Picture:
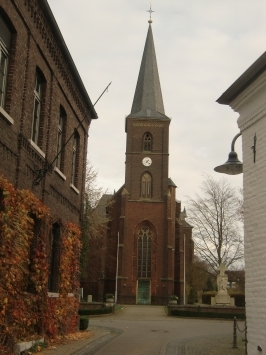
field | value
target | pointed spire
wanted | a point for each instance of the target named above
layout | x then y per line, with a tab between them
148	100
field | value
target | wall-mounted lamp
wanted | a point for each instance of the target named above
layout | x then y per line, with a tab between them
124	285
233	166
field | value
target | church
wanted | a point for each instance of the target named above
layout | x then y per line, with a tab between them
147	245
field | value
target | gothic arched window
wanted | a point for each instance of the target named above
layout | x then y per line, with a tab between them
144	252
146	185
147	142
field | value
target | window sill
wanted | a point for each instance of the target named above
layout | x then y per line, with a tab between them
74	188
56	294
34	145
59	172
6	116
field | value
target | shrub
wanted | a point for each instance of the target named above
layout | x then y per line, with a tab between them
109	295
173	298
83	323
239	299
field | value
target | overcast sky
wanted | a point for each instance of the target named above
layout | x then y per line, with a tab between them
202	47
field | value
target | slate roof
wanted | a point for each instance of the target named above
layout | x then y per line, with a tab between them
171	183
148	100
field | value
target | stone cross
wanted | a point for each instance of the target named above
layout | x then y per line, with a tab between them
222	269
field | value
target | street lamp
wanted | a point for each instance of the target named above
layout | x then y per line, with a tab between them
116	272
233	166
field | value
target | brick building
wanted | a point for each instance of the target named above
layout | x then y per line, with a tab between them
143	249
43	103
247	97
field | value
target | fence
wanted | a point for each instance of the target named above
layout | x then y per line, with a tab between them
244	330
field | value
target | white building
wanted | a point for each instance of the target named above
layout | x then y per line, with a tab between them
247	96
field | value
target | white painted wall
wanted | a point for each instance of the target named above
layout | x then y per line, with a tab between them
251	106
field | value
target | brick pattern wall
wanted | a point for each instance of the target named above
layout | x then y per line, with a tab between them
159	129
130	212
35	47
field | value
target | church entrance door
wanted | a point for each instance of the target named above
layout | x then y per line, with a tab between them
143	292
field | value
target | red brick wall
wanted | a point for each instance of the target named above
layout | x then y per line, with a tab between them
34	46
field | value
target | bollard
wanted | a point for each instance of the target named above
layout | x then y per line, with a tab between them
235	335
246	339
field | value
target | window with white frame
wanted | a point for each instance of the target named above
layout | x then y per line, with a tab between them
5	41
75	152
60	139
38	93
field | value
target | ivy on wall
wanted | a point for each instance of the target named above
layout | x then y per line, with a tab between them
25	308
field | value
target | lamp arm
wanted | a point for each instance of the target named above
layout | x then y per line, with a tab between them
234	140
40	173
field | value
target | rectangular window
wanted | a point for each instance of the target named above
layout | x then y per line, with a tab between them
75	159
60	139
37	109
5	40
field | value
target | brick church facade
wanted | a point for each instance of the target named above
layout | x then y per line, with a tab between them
141	257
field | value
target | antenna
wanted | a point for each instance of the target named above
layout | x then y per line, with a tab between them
40	173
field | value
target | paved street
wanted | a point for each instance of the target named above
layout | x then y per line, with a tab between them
146	330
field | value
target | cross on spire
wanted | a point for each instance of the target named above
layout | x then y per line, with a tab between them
150	11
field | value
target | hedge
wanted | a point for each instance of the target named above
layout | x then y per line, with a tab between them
183	313
95	311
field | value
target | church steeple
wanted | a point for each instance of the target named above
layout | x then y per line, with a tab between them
148	100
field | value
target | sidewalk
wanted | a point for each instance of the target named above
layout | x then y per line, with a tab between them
99	336
211	345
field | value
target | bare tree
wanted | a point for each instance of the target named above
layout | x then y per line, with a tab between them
217	231
241	206
95	218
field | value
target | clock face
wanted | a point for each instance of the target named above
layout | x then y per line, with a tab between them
146	161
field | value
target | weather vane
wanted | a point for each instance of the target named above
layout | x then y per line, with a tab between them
150	11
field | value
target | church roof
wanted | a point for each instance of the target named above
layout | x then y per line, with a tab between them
171	183
148	100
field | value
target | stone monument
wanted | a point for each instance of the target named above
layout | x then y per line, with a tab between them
222	297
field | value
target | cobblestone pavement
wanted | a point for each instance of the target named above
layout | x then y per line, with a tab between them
146	330
211	345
